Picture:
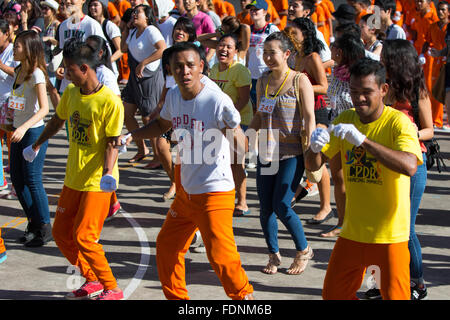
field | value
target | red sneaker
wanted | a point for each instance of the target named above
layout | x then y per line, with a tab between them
86	291
110	295
113	210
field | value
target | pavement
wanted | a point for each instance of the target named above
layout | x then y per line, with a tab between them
129	240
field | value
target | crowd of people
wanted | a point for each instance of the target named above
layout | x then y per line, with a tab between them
333	94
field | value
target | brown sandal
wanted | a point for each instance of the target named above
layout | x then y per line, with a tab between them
274	262
301	261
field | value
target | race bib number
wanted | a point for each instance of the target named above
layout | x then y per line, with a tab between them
16	103
267	105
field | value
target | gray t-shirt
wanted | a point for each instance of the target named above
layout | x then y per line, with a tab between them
395	32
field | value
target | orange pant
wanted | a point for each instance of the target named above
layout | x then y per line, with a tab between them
2	243
437	108
212	213
78	223
349	261
124	70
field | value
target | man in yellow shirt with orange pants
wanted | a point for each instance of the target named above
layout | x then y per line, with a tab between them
95	117
379	151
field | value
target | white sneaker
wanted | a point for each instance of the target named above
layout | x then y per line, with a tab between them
197	244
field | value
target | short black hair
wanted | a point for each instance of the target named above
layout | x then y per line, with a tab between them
181	47
188	26
365	67
386	5
351	28
80	53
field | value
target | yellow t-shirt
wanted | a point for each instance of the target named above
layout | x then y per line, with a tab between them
236	76
91	119
377	208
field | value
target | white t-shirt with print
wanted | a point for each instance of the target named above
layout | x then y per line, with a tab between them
7	81
256	64
143	46
108	78
81	30
208	167
28	91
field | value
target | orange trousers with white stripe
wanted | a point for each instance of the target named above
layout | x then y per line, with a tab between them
78	223
212	214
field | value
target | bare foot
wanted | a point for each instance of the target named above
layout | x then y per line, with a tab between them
333	232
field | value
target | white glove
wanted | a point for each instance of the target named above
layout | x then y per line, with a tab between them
319	138
332	39
349	132
108	183
29	154
422	59
123	147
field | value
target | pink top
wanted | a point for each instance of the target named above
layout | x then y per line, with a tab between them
406	108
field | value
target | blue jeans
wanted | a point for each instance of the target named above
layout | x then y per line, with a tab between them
27	178
275	194
418	182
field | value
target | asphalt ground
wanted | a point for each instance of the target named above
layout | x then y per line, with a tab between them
129	240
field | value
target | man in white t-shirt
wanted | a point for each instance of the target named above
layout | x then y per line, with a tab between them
79	26
204	182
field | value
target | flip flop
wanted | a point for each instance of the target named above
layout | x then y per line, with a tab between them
138	158
315	221
153	166
240	212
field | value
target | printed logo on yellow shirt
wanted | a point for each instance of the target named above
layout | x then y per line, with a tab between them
80	129
362	167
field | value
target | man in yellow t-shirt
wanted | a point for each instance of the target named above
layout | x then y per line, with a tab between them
379	151
95	117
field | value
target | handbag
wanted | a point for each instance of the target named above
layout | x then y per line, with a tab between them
438	90
433	153
313	176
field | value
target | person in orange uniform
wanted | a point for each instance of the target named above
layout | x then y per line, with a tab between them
113	13
229	8
244	15
329	23
219	8
436	39
2	249
282	7
420	25
323	25
122	65
274	17
361	8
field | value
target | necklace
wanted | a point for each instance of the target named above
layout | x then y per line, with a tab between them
281	87
97	88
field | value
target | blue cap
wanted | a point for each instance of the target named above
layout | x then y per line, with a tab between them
258	4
